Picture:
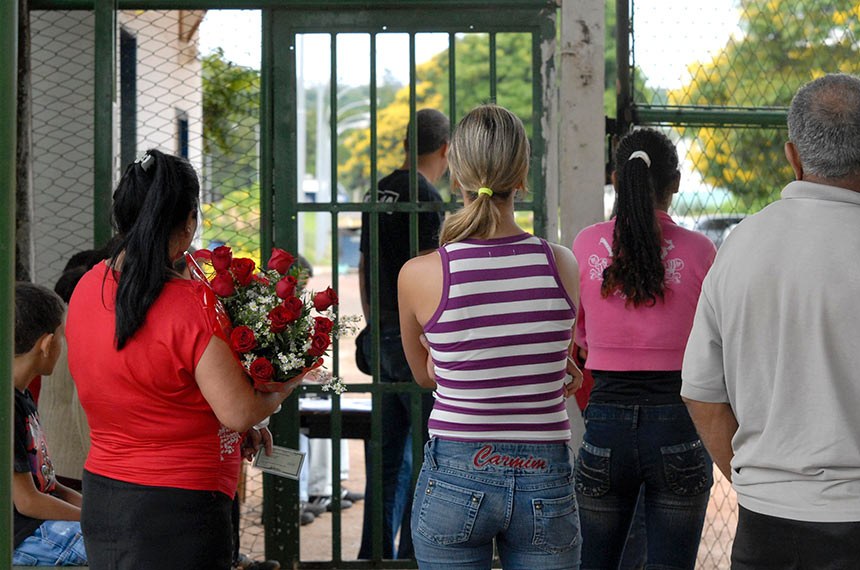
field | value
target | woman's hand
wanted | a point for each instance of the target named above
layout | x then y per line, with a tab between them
255	439
576	378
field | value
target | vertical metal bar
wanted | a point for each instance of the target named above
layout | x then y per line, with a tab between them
8	145
281	505
266	156
452	84
540	73
415	398
413	148
373	448
493	67
105	82
336	423
623	109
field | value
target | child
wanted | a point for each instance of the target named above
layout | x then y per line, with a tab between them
47	514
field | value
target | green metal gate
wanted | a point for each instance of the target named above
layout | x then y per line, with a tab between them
535	20
112	78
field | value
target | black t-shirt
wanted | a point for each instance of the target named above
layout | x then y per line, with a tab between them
31	456
394	237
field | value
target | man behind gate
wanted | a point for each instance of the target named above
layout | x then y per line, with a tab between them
432	150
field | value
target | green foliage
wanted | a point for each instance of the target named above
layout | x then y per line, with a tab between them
784	45
472	62
235	221
231	116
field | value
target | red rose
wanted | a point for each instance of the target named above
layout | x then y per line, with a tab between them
243	270
295	307
221	258
280	317
262	370
242	339
325	299
280	260
286	287
223	285
320	341
323	324
260	278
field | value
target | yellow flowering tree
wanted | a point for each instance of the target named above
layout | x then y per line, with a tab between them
783	45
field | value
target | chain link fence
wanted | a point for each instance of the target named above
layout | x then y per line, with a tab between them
718	78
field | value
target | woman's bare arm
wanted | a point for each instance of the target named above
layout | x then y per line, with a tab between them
419	291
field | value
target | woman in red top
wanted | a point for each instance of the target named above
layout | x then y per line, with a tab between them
165	398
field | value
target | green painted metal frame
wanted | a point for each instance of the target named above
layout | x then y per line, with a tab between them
105	95
279	207
537	18
8	146
348	5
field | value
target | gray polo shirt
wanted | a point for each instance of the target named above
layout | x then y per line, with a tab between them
777	336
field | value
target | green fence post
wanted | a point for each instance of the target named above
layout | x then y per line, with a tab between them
8	138
103	150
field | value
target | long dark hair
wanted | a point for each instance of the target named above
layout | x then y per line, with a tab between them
154	197
637	269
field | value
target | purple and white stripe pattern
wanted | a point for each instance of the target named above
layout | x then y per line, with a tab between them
499	342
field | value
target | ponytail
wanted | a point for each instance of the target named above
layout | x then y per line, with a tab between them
154	197
479	218
489	149
647	167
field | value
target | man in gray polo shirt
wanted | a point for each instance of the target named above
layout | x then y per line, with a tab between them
771	373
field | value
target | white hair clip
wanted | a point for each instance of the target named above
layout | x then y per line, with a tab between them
145	161
641	154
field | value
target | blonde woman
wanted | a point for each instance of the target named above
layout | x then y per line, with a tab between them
486	321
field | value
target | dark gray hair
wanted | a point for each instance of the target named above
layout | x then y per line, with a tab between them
824	125
38	311
434	130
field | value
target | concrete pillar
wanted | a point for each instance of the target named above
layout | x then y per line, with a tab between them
581	119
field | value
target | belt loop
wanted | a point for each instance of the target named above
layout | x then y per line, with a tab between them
636	409
430	453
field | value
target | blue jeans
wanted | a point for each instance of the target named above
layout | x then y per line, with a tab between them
397	434
624	448
520	495
55	543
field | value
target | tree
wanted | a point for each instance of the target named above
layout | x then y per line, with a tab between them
784	45
231	116
514	84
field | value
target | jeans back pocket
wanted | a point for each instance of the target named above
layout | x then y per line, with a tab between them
448	512
592	470
556	524
687	468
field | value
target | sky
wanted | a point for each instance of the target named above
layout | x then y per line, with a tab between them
669	35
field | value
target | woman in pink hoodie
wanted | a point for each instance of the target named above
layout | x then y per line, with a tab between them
640	278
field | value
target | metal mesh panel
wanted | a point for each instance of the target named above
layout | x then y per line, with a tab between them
717	78
62	109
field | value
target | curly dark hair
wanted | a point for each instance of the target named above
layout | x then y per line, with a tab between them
636	269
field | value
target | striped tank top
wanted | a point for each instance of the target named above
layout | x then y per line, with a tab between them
499	342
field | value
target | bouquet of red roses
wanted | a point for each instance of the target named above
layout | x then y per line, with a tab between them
277	328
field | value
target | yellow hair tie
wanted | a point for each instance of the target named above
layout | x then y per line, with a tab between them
486	191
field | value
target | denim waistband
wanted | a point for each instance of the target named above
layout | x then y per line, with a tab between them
498	457
632	412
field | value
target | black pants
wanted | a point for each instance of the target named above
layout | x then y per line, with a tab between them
765	542
129	527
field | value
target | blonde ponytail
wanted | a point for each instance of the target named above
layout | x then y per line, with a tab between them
489	149
478	219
